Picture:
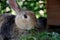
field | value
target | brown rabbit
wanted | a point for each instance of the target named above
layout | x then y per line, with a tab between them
15	26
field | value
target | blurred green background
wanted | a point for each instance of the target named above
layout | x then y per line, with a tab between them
37	6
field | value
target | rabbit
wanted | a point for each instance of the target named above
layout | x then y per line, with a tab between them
14	26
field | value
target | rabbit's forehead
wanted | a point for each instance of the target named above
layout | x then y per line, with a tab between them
22	12
27	13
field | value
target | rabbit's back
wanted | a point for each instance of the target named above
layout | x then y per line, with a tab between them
6	22
5	18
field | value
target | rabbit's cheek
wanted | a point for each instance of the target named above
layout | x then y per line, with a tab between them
23	23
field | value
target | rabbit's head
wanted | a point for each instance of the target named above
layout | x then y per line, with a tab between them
24	19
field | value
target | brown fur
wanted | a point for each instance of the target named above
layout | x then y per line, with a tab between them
13	27
15	31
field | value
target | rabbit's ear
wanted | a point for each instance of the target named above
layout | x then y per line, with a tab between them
14	5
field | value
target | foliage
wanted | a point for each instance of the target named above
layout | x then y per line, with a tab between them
42	36
3	6
33	5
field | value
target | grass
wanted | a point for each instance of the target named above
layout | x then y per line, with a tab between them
42	36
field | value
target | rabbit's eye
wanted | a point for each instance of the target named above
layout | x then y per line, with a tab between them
25	16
